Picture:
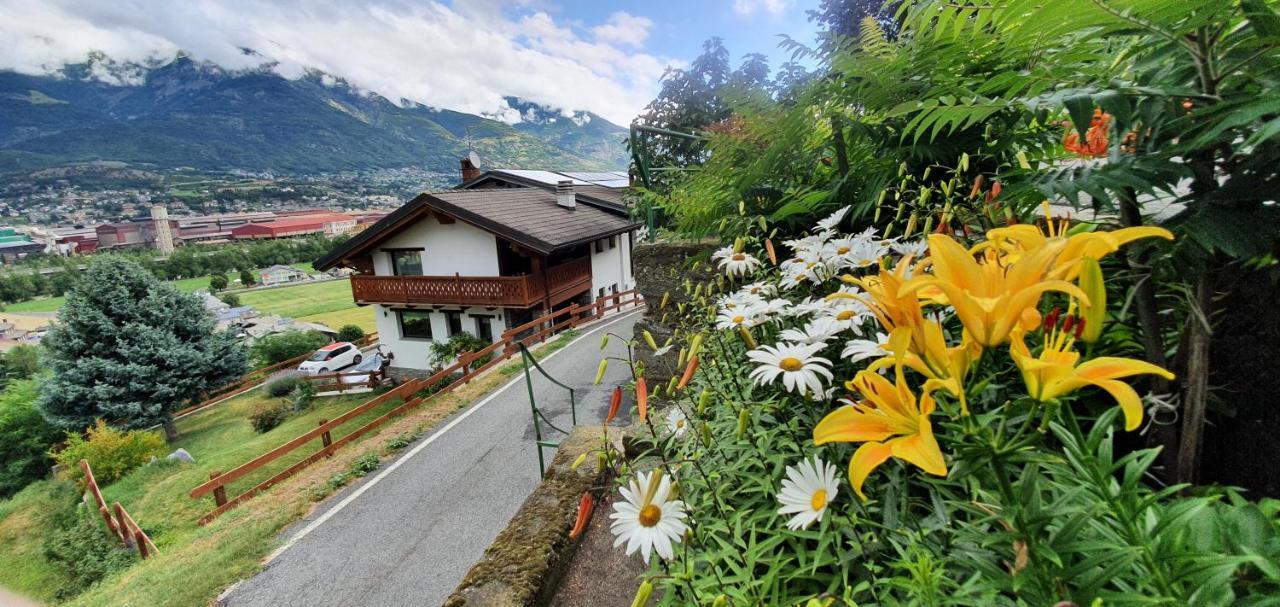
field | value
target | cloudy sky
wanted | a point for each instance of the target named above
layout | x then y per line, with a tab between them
606	57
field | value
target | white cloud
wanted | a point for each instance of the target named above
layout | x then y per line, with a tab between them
750	7
464	59
624	28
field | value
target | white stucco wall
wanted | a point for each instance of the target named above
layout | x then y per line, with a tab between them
447	248
612	266
414	353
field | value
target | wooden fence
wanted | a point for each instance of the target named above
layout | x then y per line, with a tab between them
121	526
255	377
413	392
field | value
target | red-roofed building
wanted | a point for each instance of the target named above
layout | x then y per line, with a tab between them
321	223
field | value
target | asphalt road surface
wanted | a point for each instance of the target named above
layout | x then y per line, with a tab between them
409	533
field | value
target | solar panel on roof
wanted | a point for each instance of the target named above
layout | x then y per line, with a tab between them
546	177
608	179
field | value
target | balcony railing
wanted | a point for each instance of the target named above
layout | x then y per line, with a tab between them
562	282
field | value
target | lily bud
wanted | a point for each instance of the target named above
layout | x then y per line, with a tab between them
604	364
704	399
744	419
604	341
577	463
1095	312
747	338
648	338
642	594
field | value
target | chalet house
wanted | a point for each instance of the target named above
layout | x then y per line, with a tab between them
278	275
483	260
602	188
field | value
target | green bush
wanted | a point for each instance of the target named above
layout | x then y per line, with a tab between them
302	395
111	452
218	282
247	279
364	464
350	333
282	386
281	347
445	352
266	416
82	549
25	438
22	362
231	299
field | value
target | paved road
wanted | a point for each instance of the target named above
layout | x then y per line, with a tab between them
408	534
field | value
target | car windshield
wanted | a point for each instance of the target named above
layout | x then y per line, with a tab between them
321	355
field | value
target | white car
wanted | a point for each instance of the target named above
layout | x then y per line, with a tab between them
331	358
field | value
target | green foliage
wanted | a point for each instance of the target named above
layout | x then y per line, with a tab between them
280	347
231	299
400	441
302	395
350	333
444	352
22	362
111	452
364	464
130	349
218	282
282	386
25	438
81	548
247	278
267	415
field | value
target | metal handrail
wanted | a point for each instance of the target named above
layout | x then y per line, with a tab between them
529	361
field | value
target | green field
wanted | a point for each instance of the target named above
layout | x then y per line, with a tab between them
302	300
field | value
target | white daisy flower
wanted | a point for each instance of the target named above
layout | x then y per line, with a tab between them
817	331
861	349
856	252
796	364
677	422
807	490
748	316
644	520
759	289
808	243
774	307
848	314
829	224
915	249
738	264
738	301
807	306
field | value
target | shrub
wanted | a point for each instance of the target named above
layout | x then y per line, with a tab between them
25	438
400	441
444	351
81	548
247	279
266	416
112	453
302	395
350	333
22	362
281	347
364	464
218	282
282	386
231	299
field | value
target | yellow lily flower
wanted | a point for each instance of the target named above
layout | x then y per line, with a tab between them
990	297
1054	372
889	422
1015	241
929	355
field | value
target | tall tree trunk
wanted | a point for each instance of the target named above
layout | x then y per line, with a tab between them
170	428
1196	391
1152	335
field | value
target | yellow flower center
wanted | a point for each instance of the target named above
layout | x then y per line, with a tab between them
819	499
844	315
650	515
738	257
679	423
791	363
842	250
737	320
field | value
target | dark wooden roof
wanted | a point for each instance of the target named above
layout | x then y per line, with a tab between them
528	216
598	194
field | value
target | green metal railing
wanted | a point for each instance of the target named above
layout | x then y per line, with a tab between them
538	417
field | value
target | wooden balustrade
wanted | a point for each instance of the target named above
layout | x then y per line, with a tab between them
561	282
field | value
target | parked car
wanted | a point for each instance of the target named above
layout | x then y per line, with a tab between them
331	358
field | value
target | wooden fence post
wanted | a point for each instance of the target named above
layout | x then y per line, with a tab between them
325	439
220	493
123	523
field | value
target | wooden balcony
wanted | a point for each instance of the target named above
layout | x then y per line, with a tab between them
562	282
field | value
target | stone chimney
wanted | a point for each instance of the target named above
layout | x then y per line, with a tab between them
469	170
565	196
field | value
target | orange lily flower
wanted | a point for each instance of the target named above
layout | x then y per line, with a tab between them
990	296
1057	371
1015	241
889	422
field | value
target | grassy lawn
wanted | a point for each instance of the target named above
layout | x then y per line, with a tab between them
302	300
196	562
359	316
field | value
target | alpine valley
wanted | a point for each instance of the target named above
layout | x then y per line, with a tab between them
188	114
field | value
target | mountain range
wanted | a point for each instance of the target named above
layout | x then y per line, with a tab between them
185	113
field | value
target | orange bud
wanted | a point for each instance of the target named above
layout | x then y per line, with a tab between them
768	247
614	402
977	188
642	399
688	372
585	506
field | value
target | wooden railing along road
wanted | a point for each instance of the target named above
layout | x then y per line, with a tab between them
561	282
413	393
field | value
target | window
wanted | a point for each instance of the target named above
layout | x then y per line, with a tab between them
455	322
600	246
415	324
406	262
484	327
613	288
600	293
613	241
